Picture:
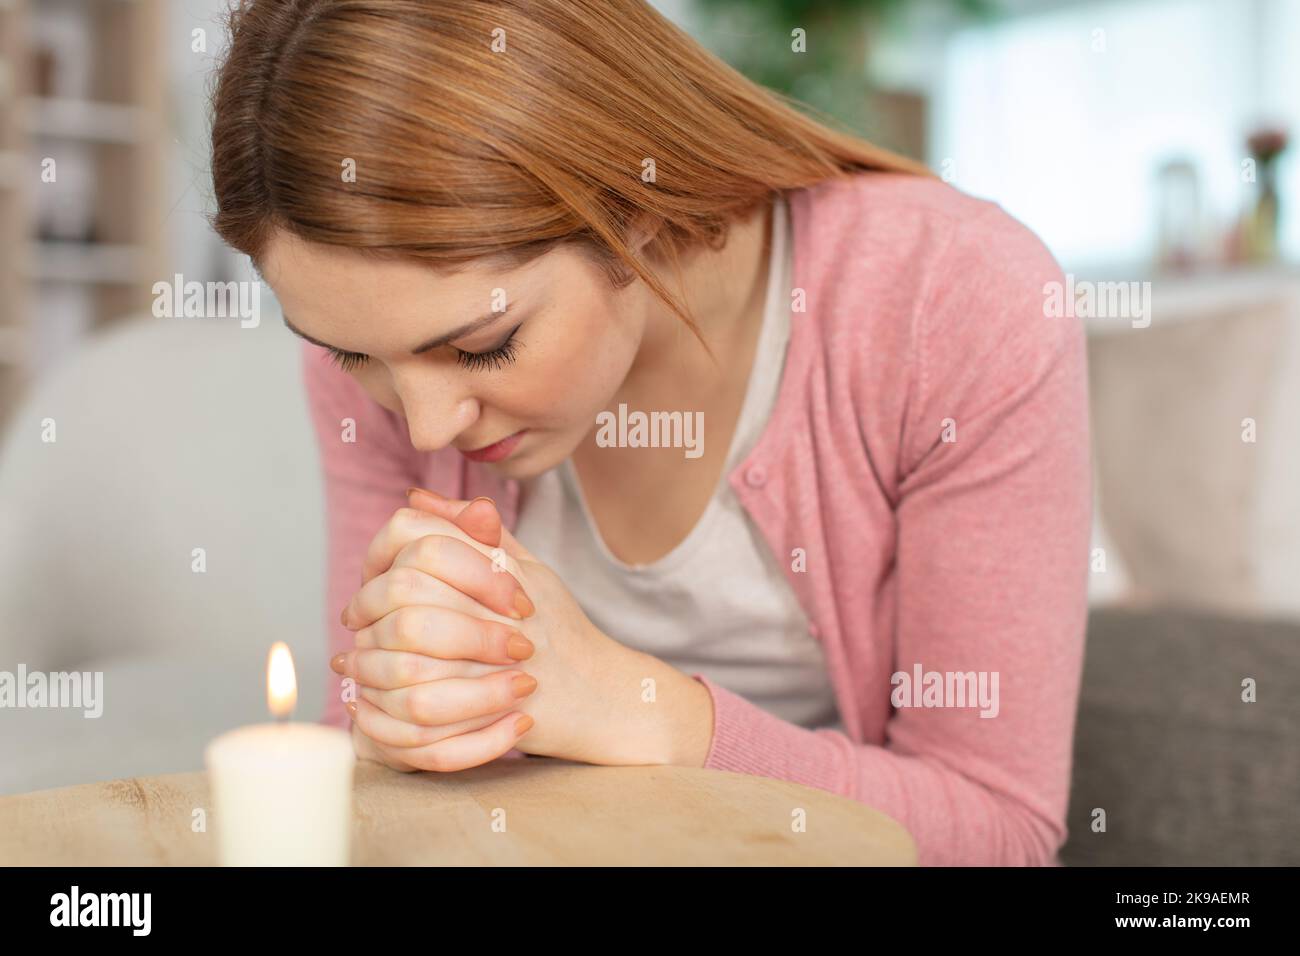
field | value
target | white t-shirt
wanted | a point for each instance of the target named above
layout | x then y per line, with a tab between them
718	604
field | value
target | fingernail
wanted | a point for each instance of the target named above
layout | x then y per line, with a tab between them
523	606
343	616
483	498
423	491
336	663
518	647
523	684
523	725
352	708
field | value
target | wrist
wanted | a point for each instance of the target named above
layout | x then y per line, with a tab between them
646	712
680	729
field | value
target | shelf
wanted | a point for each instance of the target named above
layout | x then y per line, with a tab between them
104	109
82	119
84	262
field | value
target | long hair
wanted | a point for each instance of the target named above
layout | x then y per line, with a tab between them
453	130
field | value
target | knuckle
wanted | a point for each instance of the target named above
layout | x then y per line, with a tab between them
408	625
407	670
437	762
395	587
405	518
442	761
431	549
423	707
401	585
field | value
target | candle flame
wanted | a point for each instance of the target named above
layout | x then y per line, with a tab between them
281	683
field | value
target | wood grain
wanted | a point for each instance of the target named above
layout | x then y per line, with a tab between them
556	813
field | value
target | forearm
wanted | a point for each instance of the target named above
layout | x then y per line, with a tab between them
954	818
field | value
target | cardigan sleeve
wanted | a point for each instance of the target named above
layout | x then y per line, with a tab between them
367	463
993	513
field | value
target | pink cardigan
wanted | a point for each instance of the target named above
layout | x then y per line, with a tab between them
924	322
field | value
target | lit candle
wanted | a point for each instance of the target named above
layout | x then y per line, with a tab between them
282	792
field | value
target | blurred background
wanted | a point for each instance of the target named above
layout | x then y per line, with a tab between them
160	505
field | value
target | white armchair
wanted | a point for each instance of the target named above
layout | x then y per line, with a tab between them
171	435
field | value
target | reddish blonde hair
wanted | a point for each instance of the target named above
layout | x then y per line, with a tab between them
465	150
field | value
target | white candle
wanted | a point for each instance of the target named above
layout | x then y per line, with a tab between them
282	792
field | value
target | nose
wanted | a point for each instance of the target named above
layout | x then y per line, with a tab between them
435	411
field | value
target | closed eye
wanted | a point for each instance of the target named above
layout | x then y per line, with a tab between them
347	360
496	358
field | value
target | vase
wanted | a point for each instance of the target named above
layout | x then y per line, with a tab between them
1261	224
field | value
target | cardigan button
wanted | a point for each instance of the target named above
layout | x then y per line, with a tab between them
756	477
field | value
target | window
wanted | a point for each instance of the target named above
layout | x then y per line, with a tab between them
1064	117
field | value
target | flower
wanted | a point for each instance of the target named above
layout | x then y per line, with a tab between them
1266	143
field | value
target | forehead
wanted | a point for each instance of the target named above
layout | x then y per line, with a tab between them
337	294
286	258
345	296
299	265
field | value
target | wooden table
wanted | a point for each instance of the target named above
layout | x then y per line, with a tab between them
556	813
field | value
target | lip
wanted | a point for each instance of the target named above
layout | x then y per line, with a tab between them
497	450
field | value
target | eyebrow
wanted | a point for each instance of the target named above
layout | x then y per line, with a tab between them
473	325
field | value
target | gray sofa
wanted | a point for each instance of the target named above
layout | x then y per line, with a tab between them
1187	773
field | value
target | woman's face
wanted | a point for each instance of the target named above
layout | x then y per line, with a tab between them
509	367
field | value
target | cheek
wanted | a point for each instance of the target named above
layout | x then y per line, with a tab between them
570	377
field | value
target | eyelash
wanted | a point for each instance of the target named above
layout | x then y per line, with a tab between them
347	360
501	356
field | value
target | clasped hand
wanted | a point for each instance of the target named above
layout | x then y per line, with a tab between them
467	647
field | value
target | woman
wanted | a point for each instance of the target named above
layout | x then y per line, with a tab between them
787	471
